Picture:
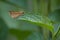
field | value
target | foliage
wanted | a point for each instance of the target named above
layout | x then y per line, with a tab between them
40	20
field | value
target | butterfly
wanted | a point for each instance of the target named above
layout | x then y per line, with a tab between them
15	14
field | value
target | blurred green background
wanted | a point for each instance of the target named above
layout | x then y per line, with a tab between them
40	21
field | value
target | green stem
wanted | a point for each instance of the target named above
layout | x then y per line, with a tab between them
44	12
35	6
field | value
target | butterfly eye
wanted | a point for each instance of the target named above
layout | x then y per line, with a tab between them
14	14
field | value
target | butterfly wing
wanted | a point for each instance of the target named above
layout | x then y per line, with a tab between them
14	14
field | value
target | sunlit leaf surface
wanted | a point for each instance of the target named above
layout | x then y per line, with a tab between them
37	19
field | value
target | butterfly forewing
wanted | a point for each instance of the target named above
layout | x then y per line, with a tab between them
15	14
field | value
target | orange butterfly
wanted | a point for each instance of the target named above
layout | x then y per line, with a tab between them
15	14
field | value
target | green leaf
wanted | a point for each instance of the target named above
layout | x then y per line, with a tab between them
18	3
5	14
58	35
55	16
56	29
35	36
12	23
3	29
24	25
21	35
37	19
